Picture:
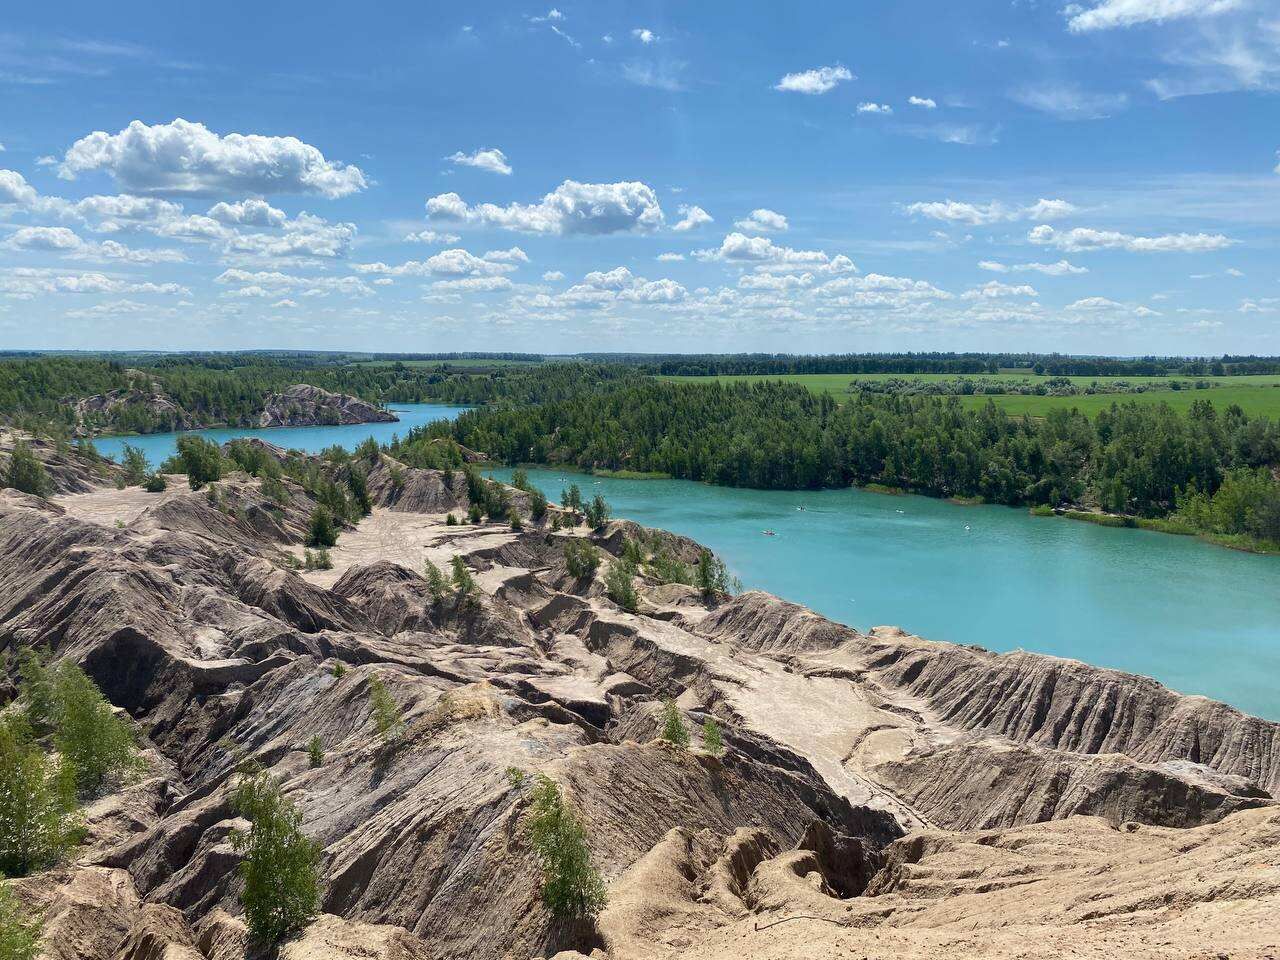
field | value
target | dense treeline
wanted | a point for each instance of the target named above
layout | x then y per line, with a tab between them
761	364
229	389
1131	459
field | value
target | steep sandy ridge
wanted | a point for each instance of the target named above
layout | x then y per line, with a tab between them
190	617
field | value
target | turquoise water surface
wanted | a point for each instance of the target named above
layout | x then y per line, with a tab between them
1199	618
161	446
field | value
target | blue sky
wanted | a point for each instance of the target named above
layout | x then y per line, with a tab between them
1099	177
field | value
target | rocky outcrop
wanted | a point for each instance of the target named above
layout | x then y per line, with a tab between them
1018	780
140	409
303	405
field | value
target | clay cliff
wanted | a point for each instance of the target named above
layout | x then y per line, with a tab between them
305	405
144	407
879	795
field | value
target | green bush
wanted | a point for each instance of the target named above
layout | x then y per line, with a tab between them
620	584
92	740
450	520
37	803
199	459
581	558
155	483
321	531
597	512
319	560
436	583
280	865
571	885
711	577
384	710
520	479
134	464
537	505
475	514
26	473
571	498
712	739
463	582
668	569
19	932
36	686
673	728
315	752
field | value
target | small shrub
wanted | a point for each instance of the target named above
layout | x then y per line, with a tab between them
321	532
436	583
516	523
620	585
712	739
516	777
36	686
26	473
475	514
339	670
597	512
19	931
668	569
520	479
92	740
280	866
199	459
463	582
632	552
581	558
155	483
673	728
384	710
710	576
537	505
273	489
396	474
319	560
134	464
571	498
571	885
450	521
37	804
315	752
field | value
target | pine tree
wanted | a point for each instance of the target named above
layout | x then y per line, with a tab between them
673	728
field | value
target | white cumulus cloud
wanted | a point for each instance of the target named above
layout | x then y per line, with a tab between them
814	82
927	103
486	158
188	158
982	214
762	220
572	208
692	217
870	107
1084	238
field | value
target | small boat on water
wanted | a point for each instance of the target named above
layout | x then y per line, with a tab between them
768	533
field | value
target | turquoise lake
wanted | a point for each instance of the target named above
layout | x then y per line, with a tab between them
161	446
1199	618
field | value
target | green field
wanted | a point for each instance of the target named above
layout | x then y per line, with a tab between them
1254	394
468	362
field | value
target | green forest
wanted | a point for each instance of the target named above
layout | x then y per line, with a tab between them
1142	461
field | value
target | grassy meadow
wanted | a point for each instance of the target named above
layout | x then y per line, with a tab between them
1254	394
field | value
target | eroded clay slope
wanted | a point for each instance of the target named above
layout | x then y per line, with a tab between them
187	609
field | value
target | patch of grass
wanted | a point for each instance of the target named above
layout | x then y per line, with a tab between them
966	501
1041	510
884	488
1100	519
